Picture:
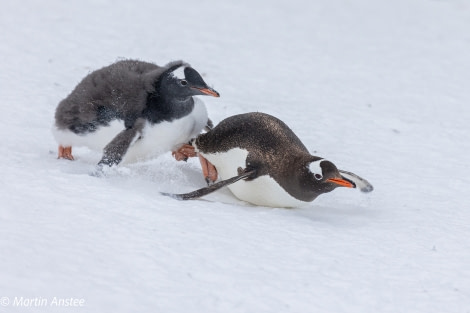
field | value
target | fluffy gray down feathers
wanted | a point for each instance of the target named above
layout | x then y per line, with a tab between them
122	87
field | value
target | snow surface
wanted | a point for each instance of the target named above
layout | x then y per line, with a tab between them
381	88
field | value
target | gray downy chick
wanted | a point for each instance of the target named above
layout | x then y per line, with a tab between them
132	110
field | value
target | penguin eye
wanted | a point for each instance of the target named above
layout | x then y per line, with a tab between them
318	176
183	82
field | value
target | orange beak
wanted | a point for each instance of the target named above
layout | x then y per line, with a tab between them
208	91
341	182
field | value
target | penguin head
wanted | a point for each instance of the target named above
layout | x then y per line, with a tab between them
182	88
325	176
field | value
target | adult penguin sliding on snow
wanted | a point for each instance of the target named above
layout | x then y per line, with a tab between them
263	162
132	110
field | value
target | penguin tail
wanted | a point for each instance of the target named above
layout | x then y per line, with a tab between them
209	189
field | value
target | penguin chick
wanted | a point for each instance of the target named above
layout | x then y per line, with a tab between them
132	110
263	162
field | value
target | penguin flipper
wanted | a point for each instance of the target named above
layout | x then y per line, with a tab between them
209	189
360	182
117	148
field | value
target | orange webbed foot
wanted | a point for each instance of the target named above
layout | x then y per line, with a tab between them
208	170
65	153
184	152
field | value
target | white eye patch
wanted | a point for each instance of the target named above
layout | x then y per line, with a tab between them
179	72
316	170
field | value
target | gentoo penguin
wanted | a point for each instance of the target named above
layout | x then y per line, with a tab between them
263	162
132	110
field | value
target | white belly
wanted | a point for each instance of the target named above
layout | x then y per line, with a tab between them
264	190
154	139
168	136
96	140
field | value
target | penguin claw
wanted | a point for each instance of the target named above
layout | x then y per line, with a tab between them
184	153
179	156
65	153
209	182
208	170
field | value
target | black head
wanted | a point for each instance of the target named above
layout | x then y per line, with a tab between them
325	176
191	85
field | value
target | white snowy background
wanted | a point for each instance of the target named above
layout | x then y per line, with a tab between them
381	88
